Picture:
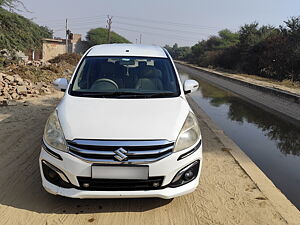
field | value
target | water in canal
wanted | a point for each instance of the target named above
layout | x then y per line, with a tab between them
271	142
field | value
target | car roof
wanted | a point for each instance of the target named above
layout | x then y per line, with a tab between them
127	50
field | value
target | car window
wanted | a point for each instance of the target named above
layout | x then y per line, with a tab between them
125	76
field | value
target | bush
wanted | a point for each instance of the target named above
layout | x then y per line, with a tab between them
19	33
266	51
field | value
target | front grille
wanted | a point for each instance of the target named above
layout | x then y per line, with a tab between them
152	183
120	152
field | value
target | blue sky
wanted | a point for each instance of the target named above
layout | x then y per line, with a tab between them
159	21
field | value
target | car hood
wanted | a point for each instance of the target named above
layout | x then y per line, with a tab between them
122	119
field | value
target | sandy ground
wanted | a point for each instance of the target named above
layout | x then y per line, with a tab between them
226	194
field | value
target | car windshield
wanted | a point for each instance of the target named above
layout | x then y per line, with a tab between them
125	77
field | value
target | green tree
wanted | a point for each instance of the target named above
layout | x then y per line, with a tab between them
262	50
249	35
228	38
292	27
250	48
99	36
180	53
19	33
291	31
211	51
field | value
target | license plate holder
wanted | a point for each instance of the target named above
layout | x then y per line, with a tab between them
120	172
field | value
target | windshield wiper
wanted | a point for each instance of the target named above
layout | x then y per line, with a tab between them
92	94
163	94
109	94
125	94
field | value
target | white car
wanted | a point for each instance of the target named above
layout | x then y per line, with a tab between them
123	129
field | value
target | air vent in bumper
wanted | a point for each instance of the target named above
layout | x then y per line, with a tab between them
152	183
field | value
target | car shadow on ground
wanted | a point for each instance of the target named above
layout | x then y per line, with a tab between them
21	131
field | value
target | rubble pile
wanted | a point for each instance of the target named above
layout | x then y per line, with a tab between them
13	87
71	58
21	78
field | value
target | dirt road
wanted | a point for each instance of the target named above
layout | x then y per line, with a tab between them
226	194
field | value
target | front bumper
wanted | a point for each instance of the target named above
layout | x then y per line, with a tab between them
72	167
166	193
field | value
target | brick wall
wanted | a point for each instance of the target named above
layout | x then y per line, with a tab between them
52	49
55	47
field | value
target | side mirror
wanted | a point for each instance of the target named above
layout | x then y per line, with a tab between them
61	84
190	86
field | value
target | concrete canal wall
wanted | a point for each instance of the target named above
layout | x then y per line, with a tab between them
279	102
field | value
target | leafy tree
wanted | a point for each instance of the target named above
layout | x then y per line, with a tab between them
228	39
271	56
262	50
249	35
211	51
180	53
292	27
291	32
99	36
198	51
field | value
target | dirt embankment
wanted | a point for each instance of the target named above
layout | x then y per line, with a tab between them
226	194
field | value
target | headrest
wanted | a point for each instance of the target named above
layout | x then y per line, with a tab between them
151	72
108	68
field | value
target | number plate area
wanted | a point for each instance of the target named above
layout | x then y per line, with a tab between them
120	172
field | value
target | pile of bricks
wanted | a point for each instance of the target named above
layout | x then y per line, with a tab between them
13	87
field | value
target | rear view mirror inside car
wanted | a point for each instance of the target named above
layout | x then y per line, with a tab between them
127	62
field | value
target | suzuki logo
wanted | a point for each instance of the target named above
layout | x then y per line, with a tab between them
121	154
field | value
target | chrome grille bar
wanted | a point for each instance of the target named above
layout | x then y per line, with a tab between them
92	152
95	152
109	161
136	143
137	152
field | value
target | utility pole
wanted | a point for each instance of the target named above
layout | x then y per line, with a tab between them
67	42
109	22
140	38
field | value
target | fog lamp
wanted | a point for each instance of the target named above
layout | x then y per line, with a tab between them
186	175
52	175
55	176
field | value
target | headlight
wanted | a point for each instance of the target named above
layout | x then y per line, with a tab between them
189	134
53	134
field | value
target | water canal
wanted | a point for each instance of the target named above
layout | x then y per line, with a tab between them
271	142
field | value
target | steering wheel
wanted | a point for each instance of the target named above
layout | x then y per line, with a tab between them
106	84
